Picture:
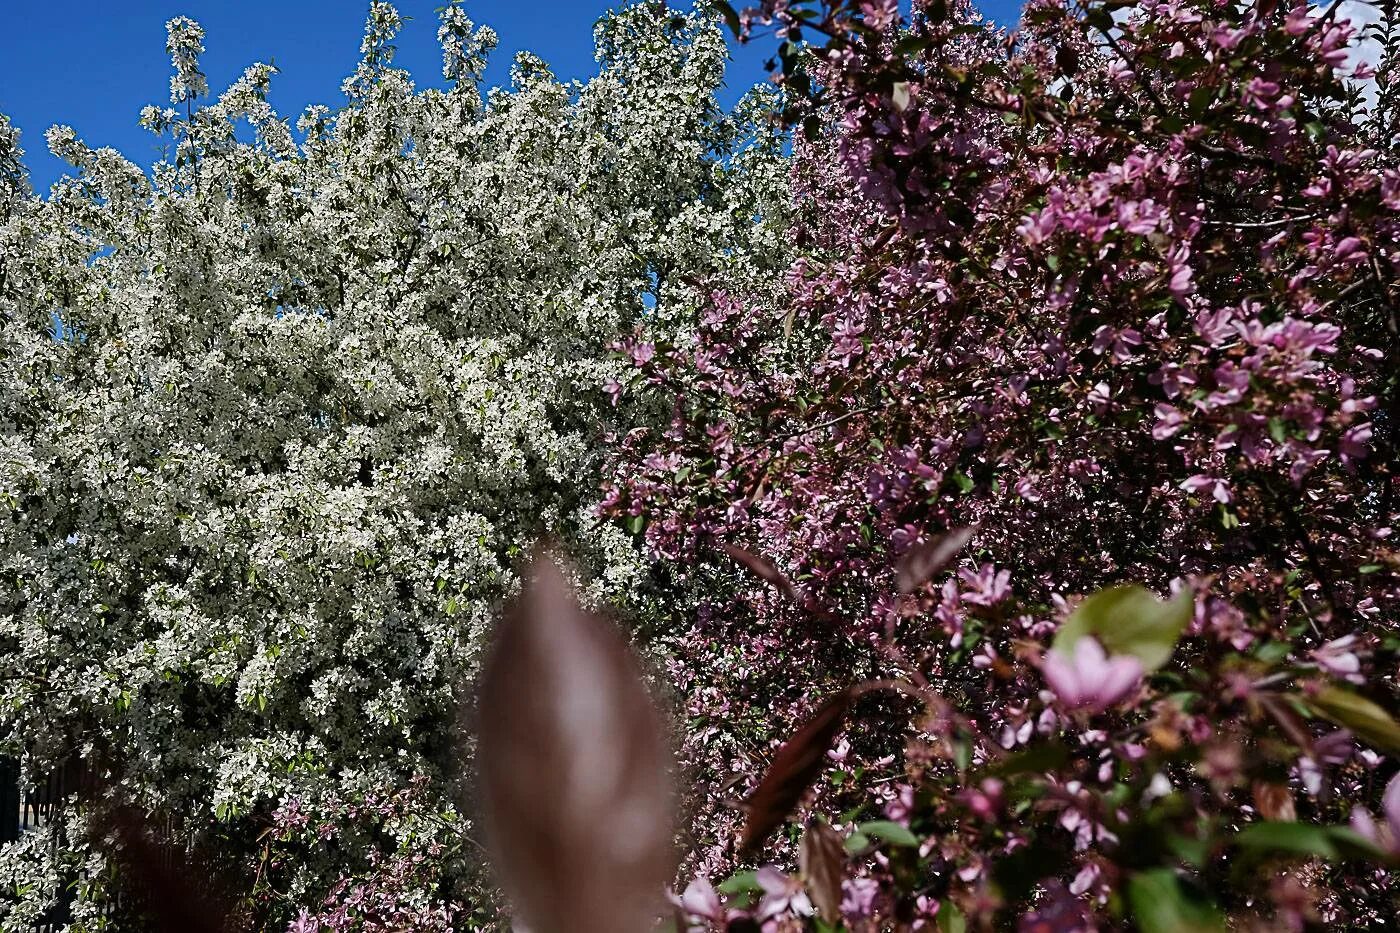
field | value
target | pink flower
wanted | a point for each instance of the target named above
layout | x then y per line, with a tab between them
1330	750
781	894
902	806
700	900
1087	878
1217	489
1348	247
1338	658
879	14
1181	282
858	896
1169	422
1090	679
1259	92
304	923
987	586
1386	836
986	799
1356	442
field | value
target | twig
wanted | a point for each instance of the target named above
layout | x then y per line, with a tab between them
1259	225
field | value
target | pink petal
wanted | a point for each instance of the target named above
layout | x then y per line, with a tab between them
1062	678
772	881
1365	825
1122	677
1390	805
701	899
1091	661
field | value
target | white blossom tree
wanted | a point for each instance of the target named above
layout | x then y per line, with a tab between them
278	416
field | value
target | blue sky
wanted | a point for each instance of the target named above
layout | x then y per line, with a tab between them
93	64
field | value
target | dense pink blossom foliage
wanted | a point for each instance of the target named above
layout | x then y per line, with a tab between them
1117	290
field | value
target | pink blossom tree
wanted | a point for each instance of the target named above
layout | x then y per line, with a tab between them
1116	292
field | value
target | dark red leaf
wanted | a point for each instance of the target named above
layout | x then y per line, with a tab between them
1067	60
1274	801
794	768
574	768
923	560
175	890
822	856
761	568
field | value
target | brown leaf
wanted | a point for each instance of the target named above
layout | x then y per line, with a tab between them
822	856
1274	801
762	568
923	560
765	570
1288	721
175	890
574	768
796	765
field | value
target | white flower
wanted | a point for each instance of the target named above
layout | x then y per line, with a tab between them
185	43
263	495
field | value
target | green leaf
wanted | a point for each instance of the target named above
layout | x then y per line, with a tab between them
1297	838
1041	758
950	919
1358	714
1129	620
1352	844
1190	849
896	834
1099	19
857	842
731	16
1200	99
1162	904
1334	843
740	882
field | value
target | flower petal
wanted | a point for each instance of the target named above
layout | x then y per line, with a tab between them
1061	677
1120	679
1390	805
